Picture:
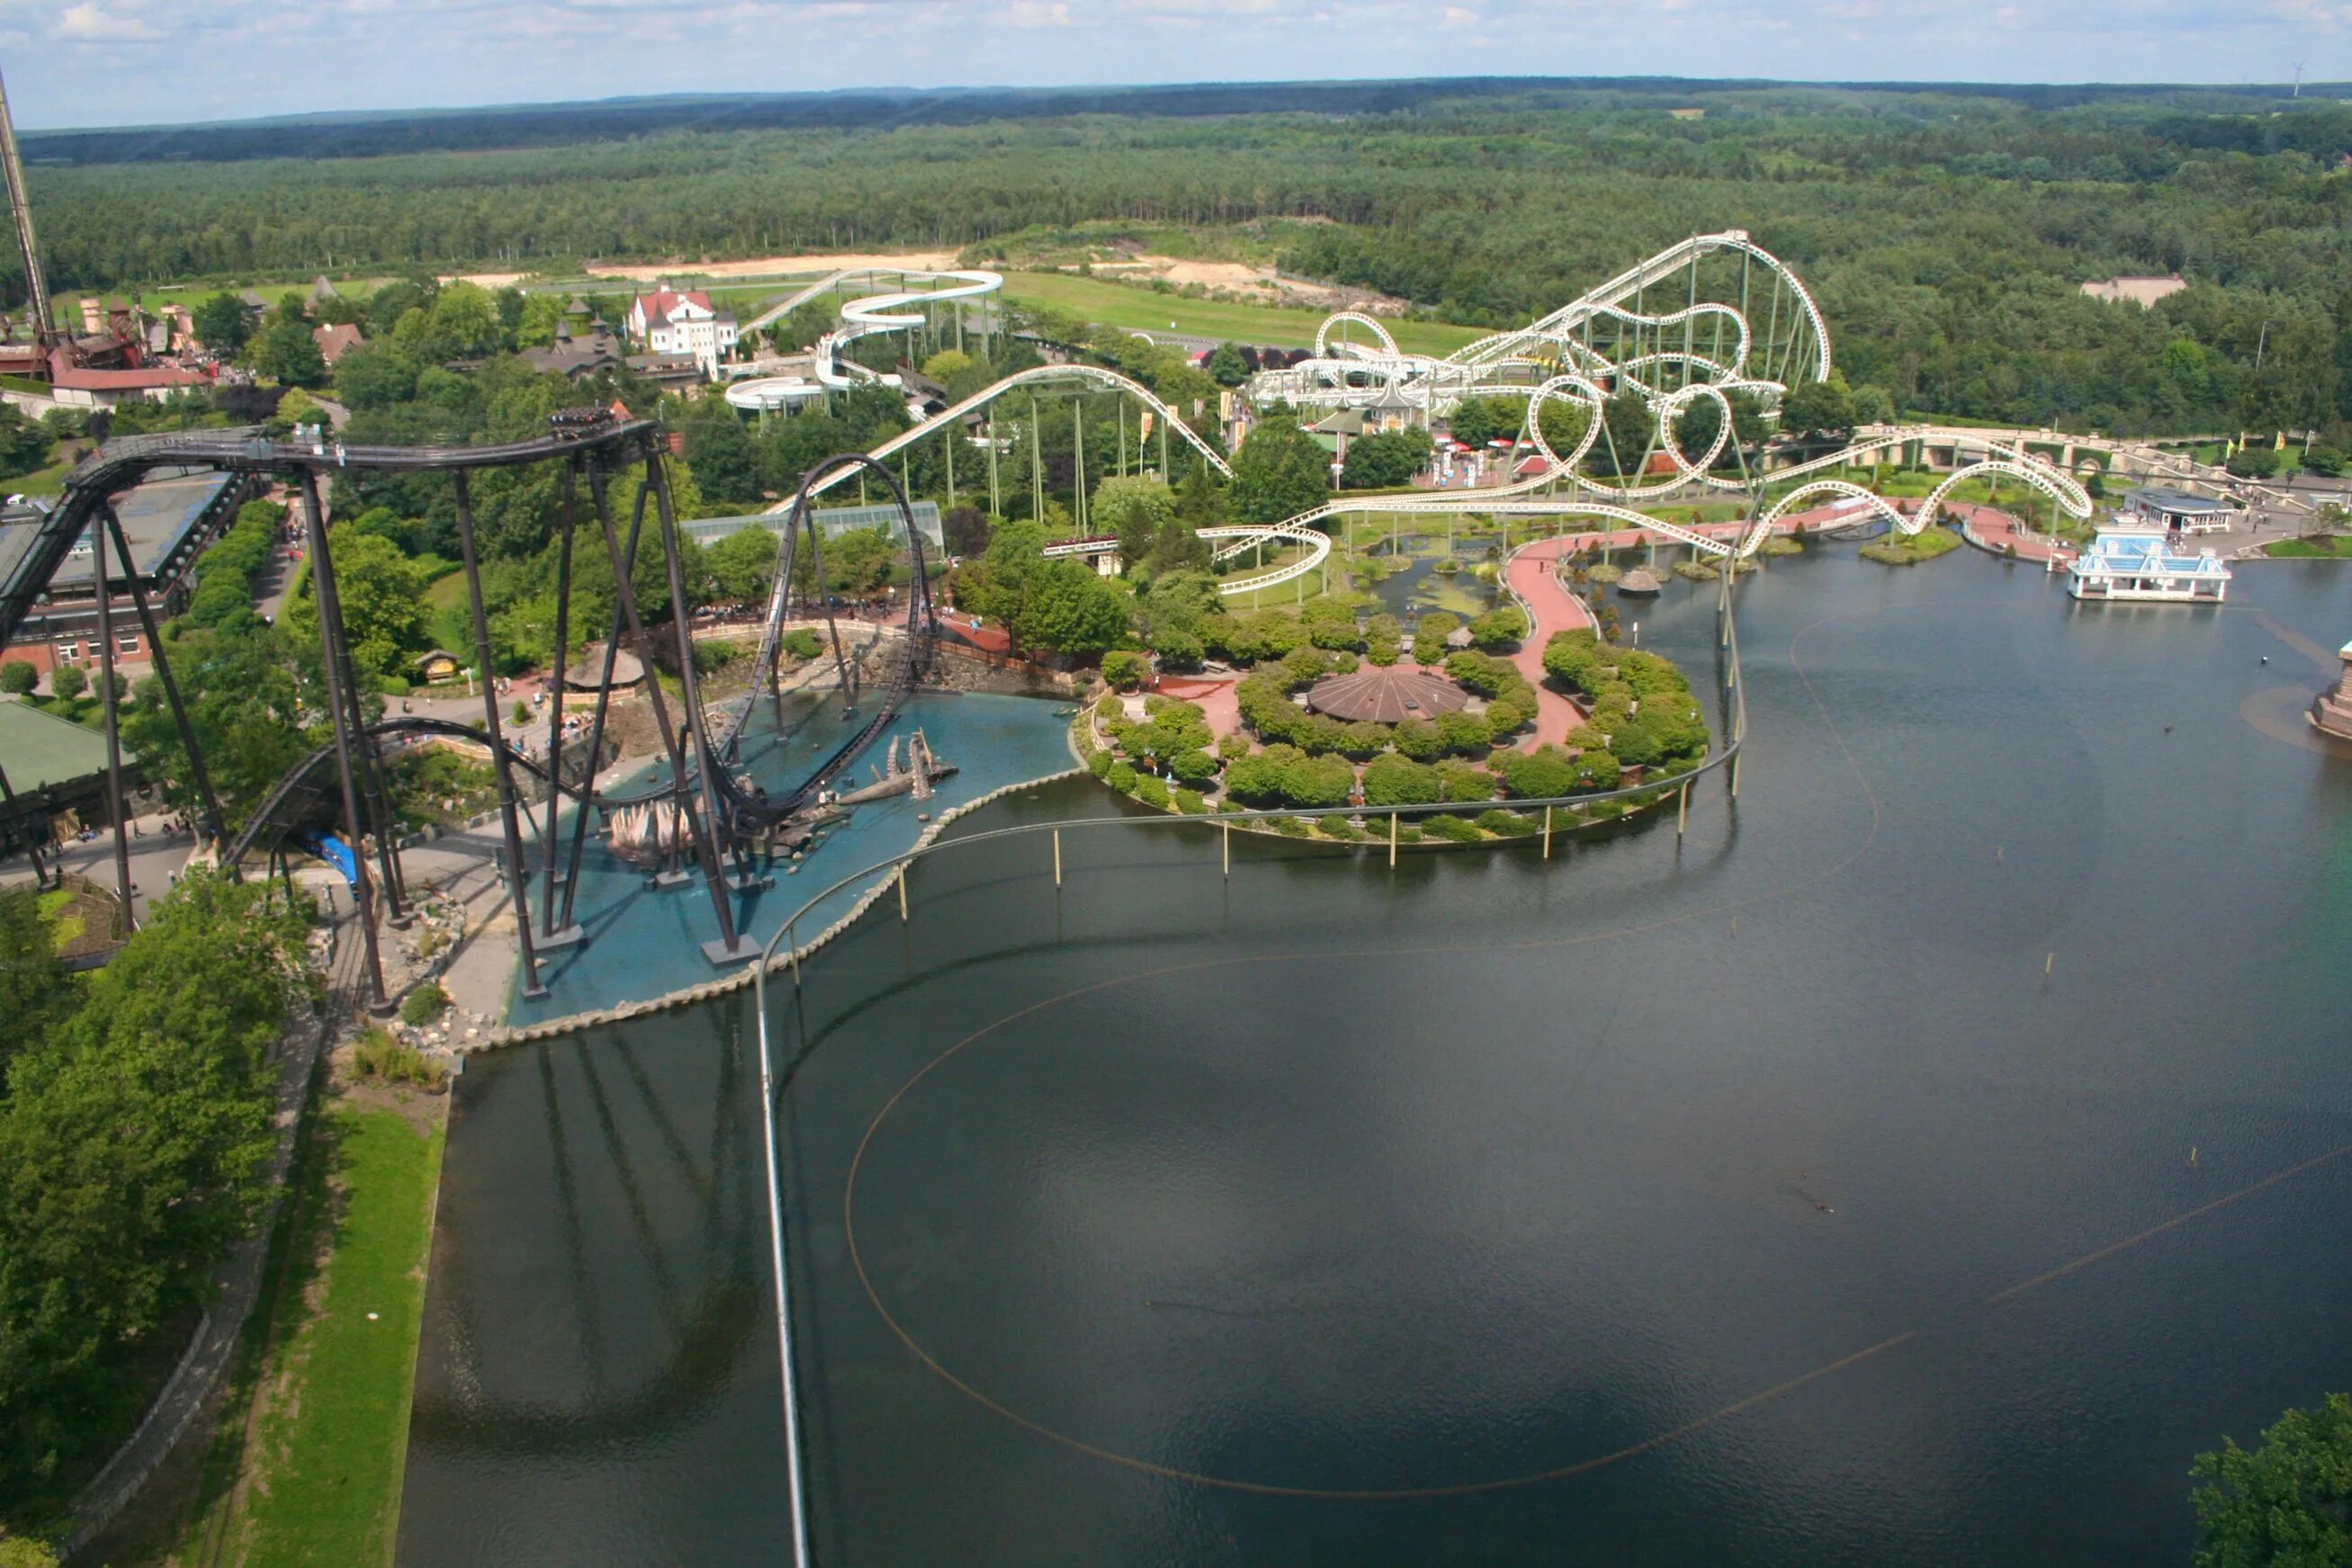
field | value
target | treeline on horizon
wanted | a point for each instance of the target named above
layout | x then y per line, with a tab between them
503	126
1946	232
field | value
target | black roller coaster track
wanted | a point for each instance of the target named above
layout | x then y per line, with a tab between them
721	810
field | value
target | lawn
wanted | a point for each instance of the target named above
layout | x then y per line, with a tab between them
1141	309
1910	549
451	621
2332	547
320	1480
46	481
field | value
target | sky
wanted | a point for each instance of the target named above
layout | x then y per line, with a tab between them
146	62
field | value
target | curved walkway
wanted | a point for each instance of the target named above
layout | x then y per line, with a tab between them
1533	574
1996	532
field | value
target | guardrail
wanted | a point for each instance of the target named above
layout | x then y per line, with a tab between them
1732	704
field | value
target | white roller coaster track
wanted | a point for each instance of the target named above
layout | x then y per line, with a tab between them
1533	351
876	312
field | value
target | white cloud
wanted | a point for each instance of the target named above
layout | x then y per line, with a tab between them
87	23
428	53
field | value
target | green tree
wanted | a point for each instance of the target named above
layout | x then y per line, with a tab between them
2287	1503
1226	366
1392	779
18	678
220	323
1384	460
68	682
1069	609
381	594
1136	508
1280	470
744	565
25	444
1818	411
1627	428
33	984
286	351
134	1148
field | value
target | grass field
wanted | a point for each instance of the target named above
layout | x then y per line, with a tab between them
321	1470
2335	547
46	481
1910	549
1139	309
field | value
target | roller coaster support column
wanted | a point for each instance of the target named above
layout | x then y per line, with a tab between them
501	761
115	803
370	782
567	935
602	500
331	637
697	723
212	817
680	792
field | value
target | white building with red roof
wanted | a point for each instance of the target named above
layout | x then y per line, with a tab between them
667	321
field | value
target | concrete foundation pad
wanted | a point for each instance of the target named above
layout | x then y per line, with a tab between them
569	936
672	878
723	955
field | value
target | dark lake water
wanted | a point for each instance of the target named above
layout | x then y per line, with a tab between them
1757	1199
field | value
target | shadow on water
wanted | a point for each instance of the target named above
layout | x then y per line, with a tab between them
1812	1190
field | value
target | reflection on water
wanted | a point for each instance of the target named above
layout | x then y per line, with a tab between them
1325	1180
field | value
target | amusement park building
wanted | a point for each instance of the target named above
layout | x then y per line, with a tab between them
168	523
669	322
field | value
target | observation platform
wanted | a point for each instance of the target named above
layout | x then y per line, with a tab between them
644	943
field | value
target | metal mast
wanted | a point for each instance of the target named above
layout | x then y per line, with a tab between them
20	208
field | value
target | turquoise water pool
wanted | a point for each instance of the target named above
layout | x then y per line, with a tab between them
644	942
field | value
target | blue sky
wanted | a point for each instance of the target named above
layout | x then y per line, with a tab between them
114	62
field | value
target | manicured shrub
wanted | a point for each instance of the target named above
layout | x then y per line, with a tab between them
1419	740
1193	766
1191	803
1178	648
1126	669
1428	635
1152	791
802	643
1461	782
1508	824
1465	734
17	678
1396	780
1120	777
1289	827
1545	773
1452	827
1110	706
1099	763
1596	770
1233	744
1340	828
1499	628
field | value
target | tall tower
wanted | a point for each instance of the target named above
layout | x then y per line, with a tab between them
20	208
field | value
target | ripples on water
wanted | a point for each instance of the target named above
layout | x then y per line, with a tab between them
1330	1179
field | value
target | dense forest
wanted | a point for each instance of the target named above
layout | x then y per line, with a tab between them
1946	232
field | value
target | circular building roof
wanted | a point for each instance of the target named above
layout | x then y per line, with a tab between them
1387	694
589	673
